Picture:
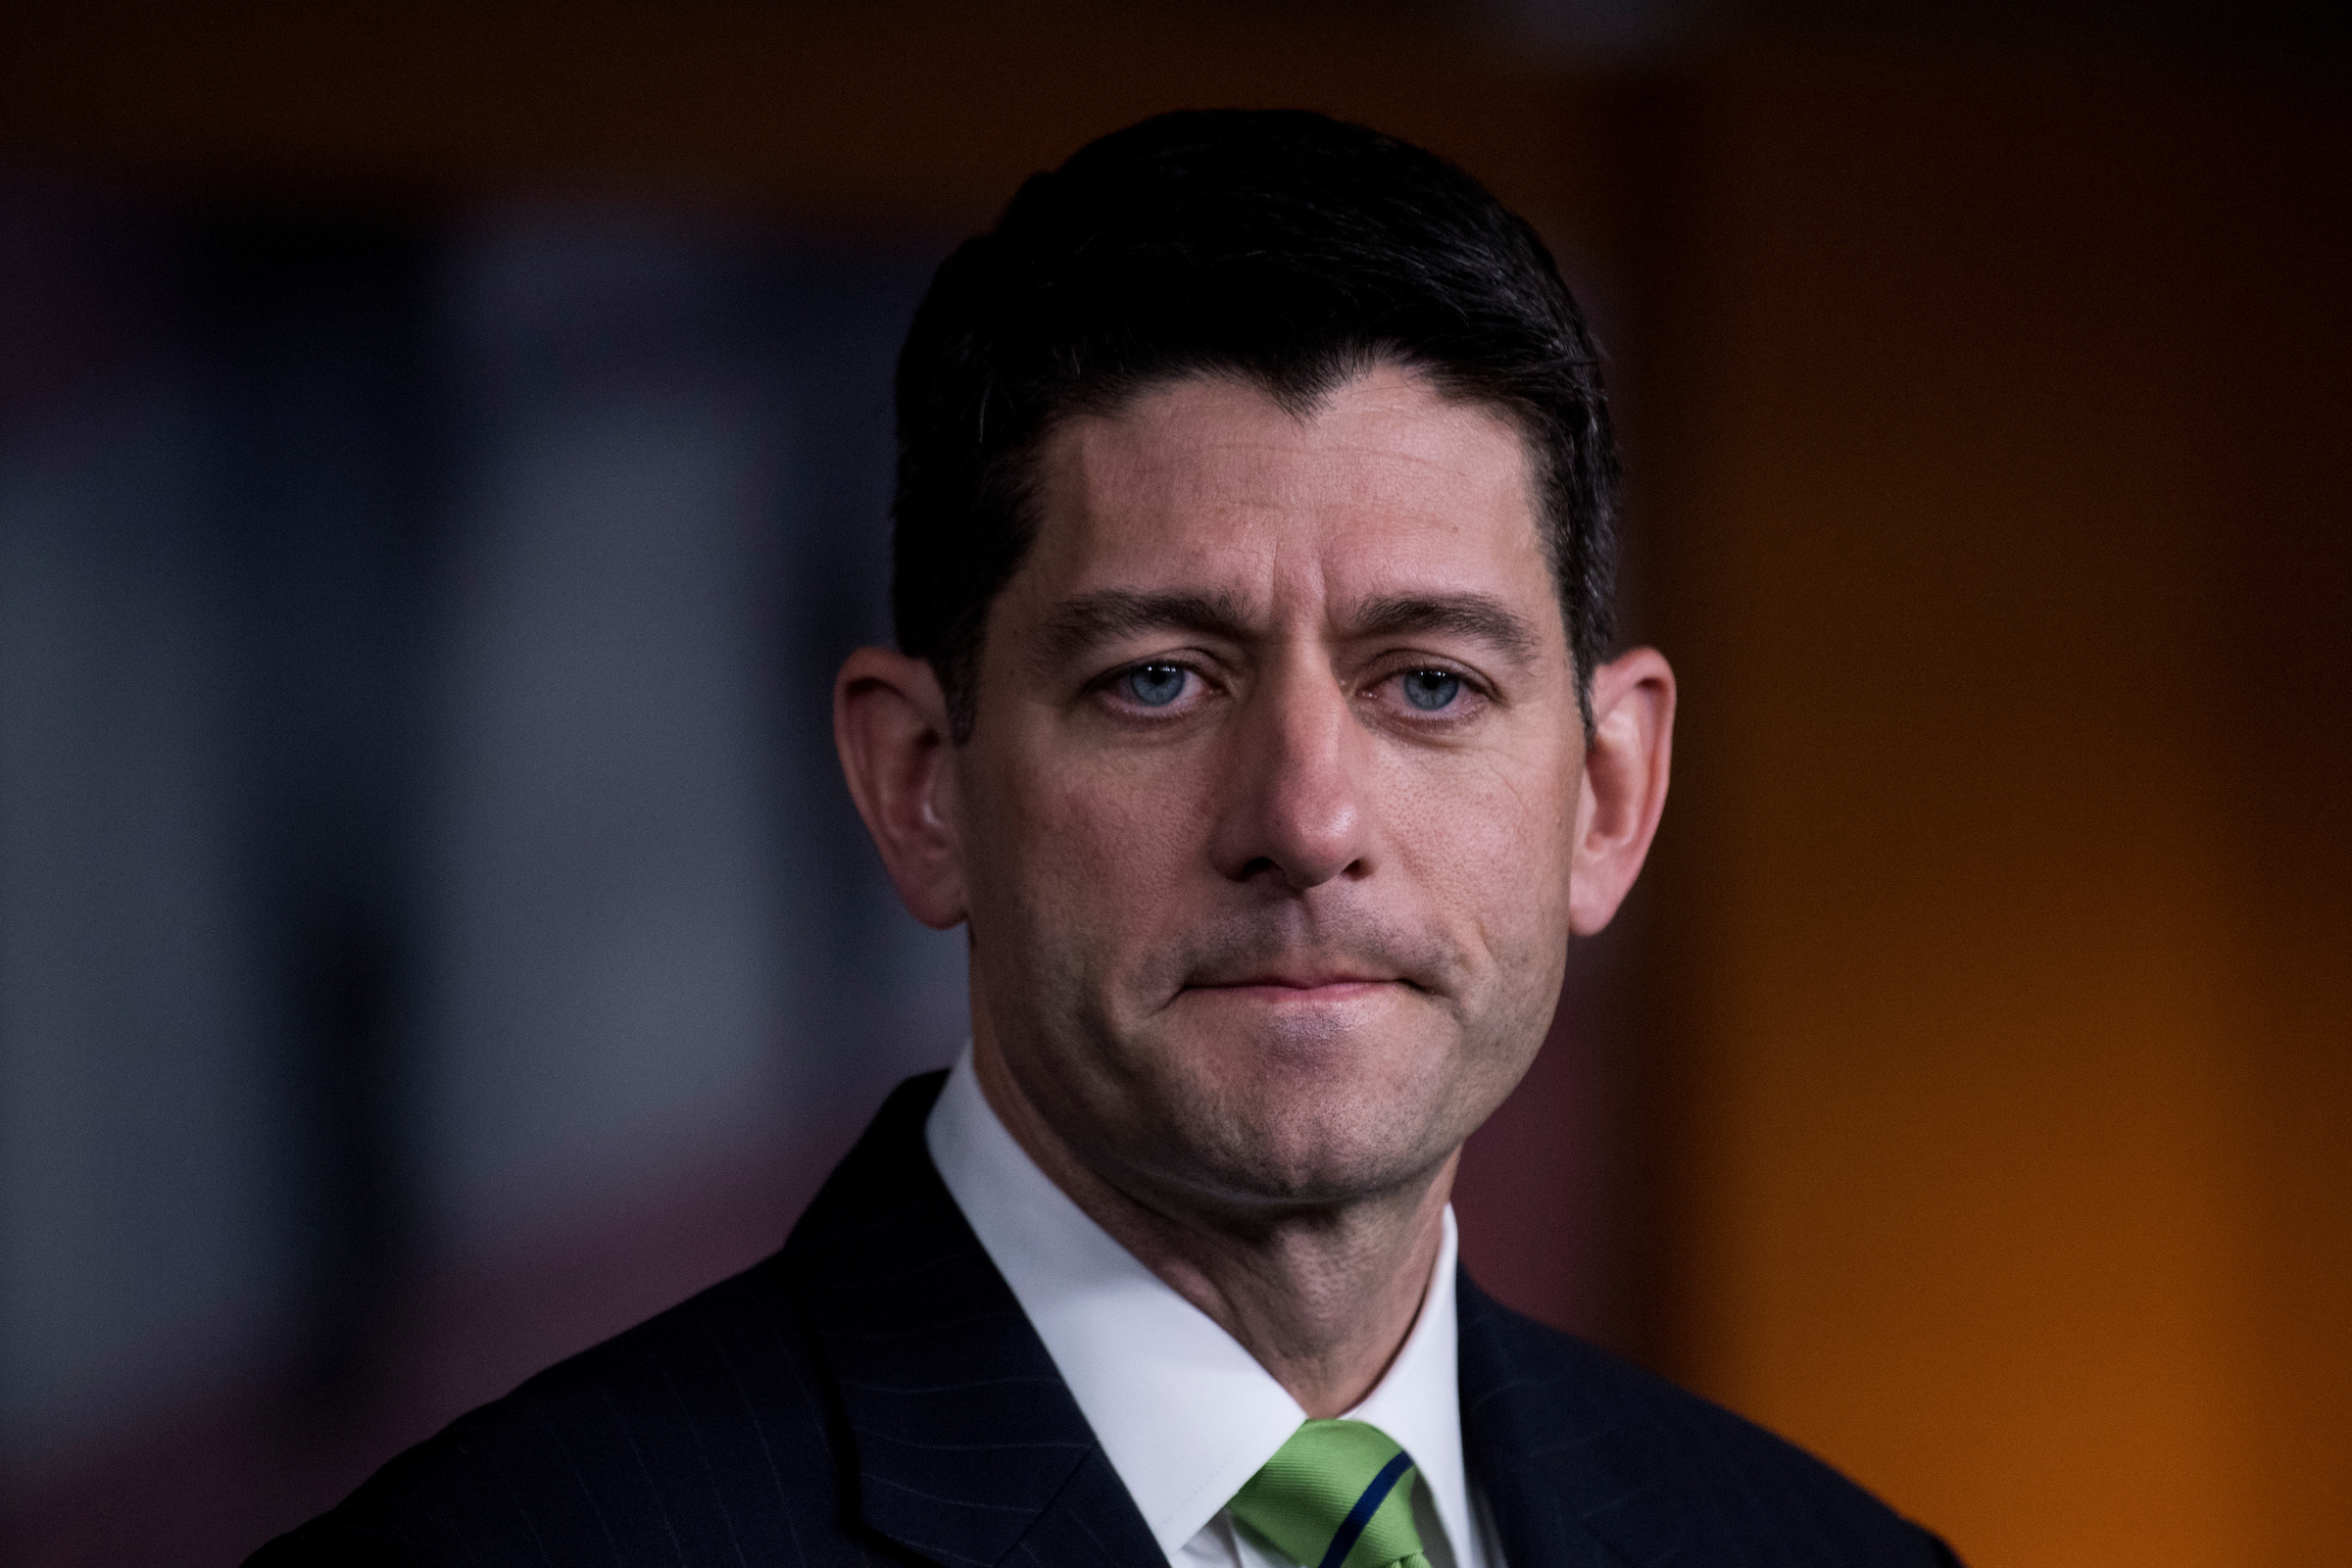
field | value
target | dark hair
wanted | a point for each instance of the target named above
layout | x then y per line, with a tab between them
1279	245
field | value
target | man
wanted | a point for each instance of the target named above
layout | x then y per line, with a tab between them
1252	712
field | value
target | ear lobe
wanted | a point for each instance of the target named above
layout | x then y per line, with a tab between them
1624	788
890	725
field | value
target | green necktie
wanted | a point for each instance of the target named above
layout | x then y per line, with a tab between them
1338	1494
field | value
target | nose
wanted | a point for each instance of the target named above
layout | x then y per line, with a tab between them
1294	793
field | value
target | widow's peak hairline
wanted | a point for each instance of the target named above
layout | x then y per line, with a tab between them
1302	392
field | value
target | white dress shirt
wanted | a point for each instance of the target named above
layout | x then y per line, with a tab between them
1185	1414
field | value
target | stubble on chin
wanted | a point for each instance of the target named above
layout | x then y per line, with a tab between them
1272	1114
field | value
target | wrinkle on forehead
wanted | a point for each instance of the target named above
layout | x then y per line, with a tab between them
1384	466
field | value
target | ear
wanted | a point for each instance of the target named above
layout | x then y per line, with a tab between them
1624	788
889	724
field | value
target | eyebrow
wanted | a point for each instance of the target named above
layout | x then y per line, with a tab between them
1091	619
1107	616
1478	616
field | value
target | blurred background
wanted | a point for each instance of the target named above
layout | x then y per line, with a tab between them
444	454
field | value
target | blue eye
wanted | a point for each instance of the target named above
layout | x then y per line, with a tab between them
1431	689
1154	685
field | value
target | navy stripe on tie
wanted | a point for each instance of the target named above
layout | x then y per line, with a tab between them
1365	1507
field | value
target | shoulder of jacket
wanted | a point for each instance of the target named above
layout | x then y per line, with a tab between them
664	1420
330	1543
1679	1454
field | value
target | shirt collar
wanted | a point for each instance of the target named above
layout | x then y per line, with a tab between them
1183	1413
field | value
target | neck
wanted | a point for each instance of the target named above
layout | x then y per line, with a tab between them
1322	1297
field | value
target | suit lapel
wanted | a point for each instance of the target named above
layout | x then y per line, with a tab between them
1563	1483
967	1445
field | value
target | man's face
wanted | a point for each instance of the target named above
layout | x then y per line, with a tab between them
1266	818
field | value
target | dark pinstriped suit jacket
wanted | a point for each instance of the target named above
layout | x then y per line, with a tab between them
872	1394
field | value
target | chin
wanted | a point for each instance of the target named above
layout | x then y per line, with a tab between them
1317	1131
1305	1166
1252	1102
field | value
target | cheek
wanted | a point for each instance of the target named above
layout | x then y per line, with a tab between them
1490	838
1090	852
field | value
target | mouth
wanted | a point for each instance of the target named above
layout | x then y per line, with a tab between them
1310	986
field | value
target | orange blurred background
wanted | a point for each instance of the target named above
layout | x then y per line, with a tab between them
1966	1095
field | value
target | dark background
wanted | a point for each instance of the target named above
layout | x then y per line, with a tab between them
443	456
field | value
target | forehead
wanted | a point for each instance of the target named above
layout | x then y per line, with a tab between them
1383	487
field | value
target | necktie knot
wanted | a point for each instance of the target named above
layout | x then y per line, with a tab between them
1338	1494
